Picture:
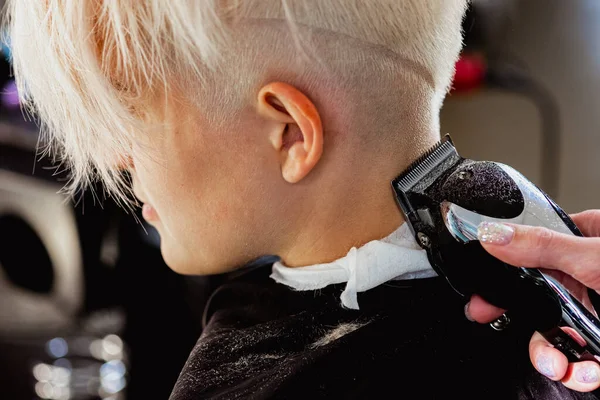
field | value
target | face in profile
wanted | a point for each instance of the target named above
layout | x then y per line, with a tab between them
220	198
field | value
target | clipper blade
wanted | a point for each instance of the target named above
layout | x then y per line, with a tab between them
442	153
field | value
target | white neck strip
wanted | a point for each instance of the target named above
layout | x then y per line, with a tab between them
397	256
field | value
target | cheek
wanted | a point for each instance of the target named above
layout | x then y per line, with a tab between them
151	179
222	212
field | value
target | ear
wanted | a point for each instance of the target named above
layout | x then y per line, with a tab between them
298	134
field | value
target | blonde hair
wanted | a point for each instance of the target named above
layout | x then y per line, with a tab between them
84	66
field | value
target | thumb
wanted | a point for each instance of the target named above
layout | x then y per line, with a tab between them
535	247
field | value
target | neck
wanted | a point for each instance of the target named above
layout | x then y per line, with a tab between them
331	232
361	209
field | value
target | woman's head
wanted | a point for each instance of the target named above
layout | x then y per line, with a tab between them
242	122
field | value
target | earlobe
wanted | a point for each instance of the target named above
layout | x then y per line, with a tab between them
298	135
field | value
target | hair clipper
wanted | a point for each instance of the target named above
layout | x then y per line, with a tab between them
445	197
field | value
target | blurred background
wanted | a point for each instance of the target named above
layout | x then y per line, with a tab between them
88	309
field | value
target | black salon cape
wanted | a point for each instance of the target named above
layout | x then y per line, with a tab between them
409	340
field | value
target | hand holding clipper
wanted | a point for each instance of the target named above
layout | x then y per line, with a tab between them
445	198
573	260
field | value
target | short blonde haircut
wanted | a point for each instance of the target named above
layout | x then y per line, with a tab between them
84	66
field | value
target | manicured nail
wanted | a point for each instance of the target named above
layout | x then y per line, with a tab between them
467	313
545	365
587	375
495	233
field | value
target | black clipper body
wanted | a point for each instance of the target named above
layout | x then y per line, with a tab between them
445	197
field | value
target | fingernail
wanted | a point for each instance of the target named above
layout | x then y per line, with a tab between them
495	233
545	365
587	375
467	312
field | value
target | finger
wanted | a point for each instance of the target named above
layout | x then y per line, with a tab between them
583	376
588	222
547	360
536	247
479	310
